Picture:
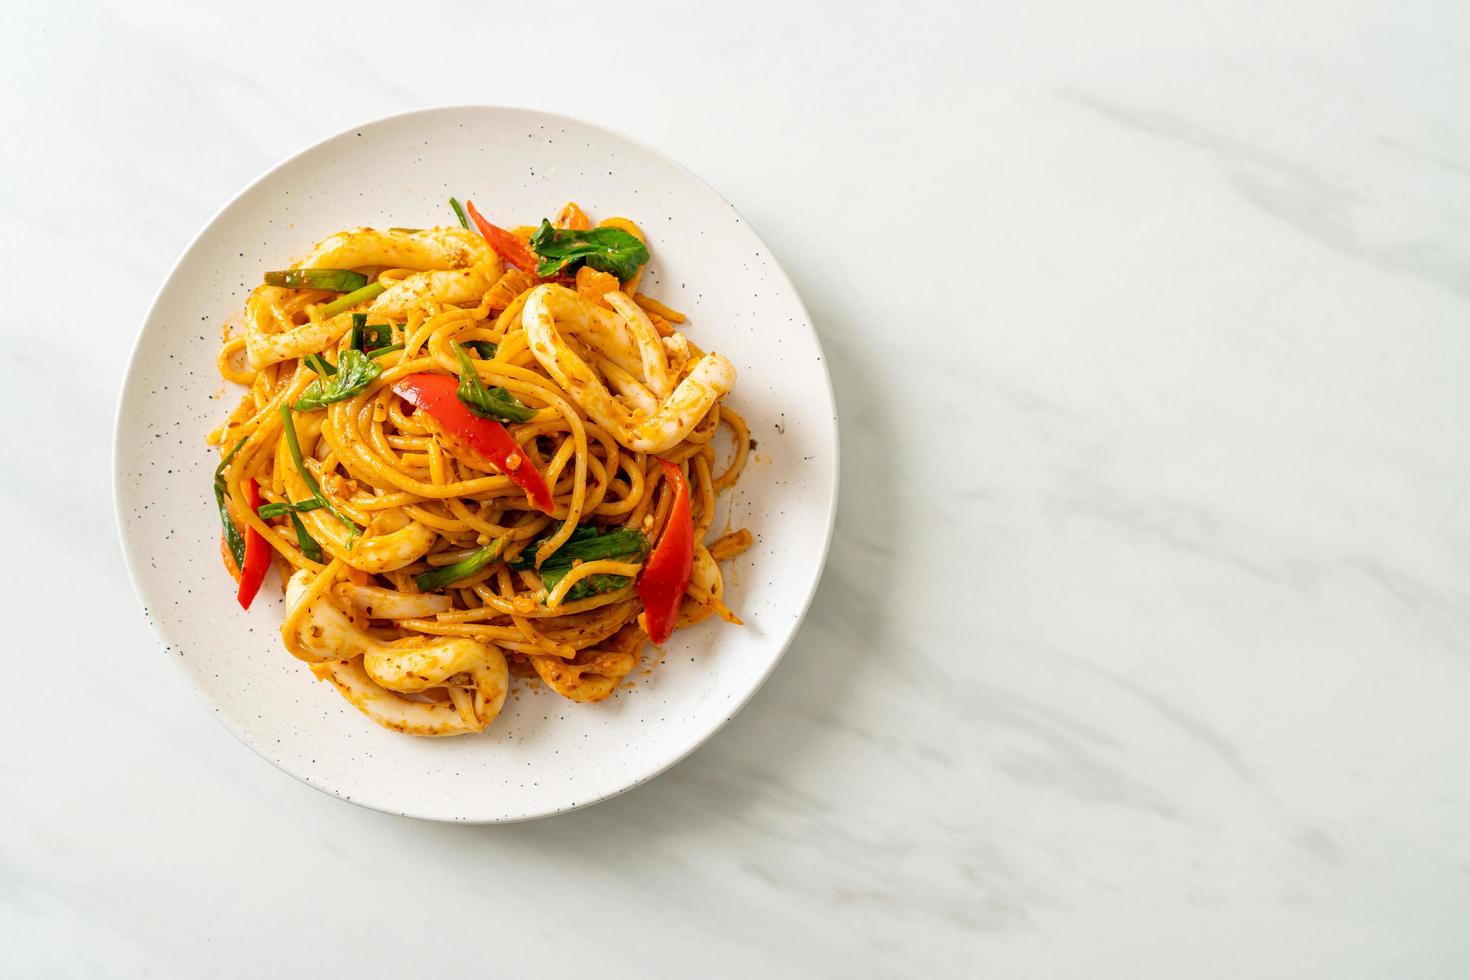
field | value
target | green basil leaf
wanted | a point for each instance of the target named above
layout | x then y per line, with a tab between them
355	371
337	280
610	250
488	403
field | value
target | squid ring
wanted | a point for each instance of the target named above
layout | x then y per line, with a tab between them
551	308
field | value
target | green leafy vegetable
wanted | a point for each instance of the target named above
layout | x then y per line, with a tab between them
587	588
459	213
306	542
488	403
298	507
610	250
485	348
587	543
337	280
355	371
343	303
464	568
294	445
233	539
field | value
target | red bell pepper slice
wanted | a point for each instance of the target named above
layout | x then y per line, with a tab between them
436	394
665	575
508	246
257	553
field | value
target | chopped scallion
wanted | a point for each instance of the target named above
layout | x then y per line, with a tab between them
337	280
459	213
294	446
464	568
343	303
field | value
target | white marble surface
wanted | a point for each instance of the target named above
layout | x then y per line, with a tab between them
1143	646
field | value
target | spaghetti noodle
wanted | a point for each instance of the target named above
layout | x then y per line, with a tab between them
473	455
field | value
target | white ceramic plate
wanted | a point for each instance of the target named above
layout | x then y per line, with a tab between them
544	754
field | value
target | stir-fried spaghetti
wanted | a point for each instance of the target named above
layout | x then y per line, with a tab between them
472	454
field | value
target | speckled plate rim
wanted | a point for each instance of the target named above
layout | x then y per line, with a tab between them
126	392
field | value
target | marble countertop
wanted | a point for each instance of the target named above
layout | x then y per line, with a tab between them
1142	650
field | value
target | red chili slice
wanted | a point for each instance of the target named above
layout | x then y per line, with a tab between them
665	576
509	247
436	394
257	553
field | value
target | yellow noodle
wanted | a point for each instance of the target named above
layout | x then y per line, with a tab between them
654	306
226	361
